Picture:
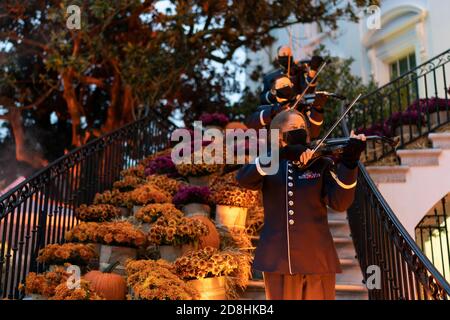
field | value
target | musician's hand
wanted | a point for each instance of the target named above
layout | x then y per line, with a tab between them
306	156
359	136
352	152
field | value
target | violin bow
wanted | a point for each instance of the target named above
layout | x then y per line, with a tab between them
300	96
336	123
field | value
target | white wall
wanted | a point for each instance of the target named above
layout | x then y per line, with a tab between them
419	25
424	187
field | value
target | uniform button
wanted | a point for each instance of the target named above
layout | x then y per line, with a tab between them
291	212
291	203
290	170
291	222
290	178
290	184
290	193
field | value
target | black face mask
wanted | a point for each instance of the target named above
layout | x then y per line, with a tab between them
284	61
294	137
285	93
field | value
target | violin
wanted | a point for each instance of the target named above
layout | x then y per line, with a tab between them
334	148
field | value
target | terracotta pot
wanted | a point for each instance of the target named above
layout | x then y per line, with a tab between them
231	217
172	253
111	254
202	181
210	288
196	209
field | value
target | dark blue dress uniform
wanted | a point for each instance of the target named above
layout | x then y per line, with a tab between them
296	238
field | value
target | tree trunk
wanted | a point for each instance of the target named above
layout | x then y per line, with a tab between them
72	105
31	157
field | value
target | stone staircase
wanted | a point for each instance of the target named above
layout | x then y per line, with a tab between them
349	285
421	179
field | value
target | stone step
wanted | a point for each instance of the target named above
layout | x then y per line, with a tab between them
419	157
337	216
388	174
440	140
351	273
339	228
345	291
344	247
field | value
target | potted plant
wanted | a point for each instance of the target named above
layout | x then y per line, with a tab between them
128	183
214	120
135	171
83	291
121	200
161	165
115	241
211	271
175	235
147	194
97	212
156	280
436	108
198	174
150	213
78	254
193	200
232	201
406	122
42	286
166	152
164	182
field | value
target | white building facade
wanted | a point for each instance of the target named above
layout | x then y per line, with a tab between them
410	32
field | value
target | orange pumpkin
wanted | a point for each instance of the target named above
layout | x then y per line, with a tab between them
109	285
212	239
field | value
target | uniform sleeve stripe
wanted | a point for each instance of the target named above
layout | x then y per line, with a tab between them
258	167
261	118
267	96
317	123
341	184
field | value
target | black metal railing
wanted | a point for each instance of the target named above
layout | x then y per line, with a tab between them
432	235
41	209
409	107
381	240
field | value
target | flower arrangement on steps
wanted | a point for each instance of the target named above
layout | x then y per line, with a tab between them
135	171
128	183
217	275
82	255
97	212
53	285
232	201
147	194
114	241
150	213
164	182
145	162
156	280
119	199
161	165
175	235
193	200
